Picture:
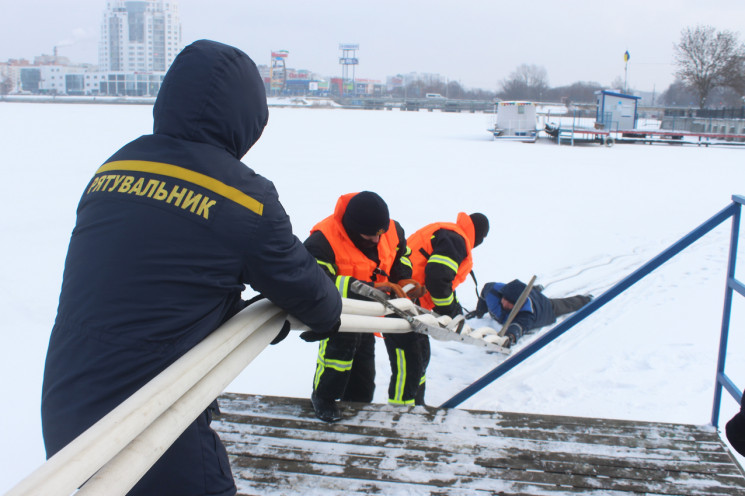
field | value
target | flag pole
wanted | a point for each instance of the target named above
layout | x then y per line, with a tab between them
626	58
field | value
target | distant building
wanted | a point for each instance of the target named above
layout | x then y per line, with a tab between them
45	75
394	82
45	79
139	36
10	75
616	111
296	82
369	87
139	41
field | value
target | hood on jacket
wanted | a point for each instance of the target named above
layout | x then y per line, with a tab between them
212	94
464	222
512	290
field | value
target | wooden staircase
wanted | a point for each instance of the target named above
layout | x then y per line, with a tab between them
278	447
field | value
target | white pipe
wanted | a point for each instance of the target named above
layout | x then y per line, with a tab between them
361	307
130	438
363	323
78	461
123	471
373	308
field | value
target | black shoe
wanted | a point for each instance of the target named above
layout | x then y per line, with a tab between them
326	410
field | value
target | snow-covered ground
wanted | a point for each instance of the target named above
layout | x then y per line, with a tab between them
580	218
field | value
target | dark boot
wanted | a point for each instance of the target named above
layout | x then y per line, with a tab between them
563	306
325	409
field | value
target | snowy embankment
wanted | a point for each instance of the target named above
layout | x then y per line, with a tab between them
580	218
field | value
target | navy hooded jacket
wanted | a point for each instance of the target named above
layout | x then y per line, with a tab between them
536	311
168	232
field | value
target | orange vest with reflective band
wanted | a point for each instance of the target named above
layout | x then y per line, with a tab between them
422	240
350	261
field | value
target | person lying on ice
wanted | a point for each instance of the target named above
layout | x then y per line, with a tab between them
498	299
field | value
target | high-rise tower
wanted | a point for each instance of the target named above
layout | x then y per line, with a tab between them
139	36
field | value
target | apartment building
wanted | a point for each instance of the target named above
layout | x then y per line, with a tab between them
139	36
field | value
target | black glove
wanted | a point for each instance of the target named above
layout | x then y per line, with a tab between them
480	311
311	336
481	308
514	332
452	310
282	332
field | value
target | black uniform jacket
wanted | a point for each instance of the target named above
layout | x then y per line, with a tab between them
439	277
168	231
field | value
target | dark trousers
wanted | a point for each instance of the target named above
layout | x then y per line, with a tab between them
409	357
196	464
80	387
346	367
563	306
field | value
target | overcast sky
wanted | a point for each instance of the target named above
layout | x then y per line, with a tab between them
476	42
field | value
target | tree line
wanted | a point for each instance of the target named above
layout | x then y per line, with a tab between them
710	72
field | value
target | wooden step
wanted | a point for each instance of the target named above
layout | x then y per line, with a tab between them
277	446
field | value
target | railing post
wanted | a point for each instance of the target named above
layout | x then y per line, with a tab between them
726	313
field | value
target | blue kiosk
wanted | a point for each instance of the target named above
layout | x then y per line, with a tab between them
616	111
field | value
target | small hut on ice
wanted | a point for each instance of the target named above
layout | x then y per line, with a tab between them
616	111
515	121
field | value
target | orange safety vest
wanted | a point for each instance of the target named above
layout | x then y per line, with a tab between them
422	241
350	261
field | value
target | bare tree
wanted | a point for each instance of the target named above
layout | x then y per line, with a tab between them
6	85
708	59
678	94
580	92
455	90
618	84
527	82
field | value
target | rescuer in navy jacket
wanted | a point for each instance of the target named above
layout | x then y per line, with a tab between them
499	299
168	231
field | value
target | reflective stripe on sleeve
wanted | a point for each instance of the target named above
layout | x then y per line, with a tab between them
446	261
342	285
328	266
442	302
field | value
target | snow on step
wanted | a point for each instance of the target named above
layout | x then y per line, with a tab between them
277	446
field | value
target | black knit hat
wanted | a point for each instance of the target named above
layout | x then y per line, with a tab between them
480	227
366	214
512	290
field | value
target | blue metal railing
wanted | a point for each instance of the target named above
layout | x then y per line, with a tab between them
732	210
722	380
